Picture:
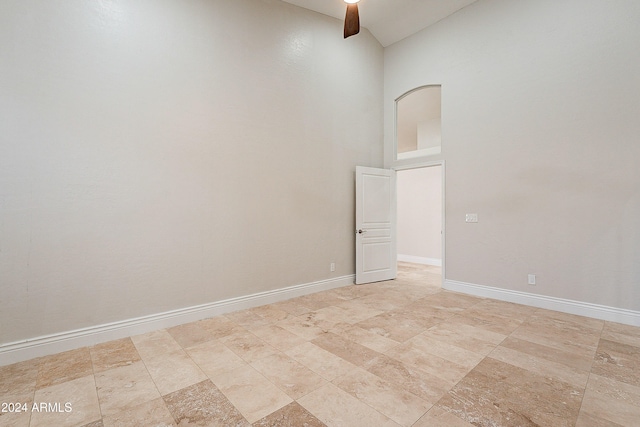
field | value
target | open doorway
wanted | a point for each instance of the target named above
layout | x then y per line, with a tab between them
420	223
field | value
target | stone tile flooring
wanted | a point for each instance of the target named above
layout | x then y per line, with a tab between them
397	353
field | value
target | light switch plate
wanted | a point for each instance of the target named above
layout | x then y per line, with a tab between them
472	217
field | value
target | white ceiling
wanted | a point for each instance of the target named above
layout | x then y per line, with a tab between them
389	20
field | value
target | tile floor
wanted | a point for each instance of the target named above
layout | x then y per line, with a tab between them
397	353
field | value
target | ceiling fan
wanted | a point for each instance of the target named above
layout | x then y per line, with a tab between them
351	20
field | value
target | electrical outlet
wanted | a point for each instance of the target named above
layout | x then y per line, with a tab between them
471	217
332	266
531	279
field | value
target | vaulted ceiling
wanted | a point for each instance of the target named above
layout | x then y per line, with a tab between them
390	20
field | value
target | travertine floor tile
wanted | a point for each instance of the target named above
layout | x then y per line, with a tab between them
347	312
396	325
123	388
81	397
320	300
202	404
312	301
353	291
247	319
497	393
335	407
618	332
190	334
248	346
387	301
386	397
618	361
290	376
541	337
596	325
292	415
173	371
417	288
504	308
12	416
452	302
427	305
113	354
572	360
621	338
450	352
63	367
425	318
220	326
271	313
150	414
615	390
412	355
346	349
320	361
292	306
364	337
214	358
438	417
250	392
541	366
465	336
603	407
278	337
18	379
588	420
424	385
560	333
155	343
306	326
487	320
609	402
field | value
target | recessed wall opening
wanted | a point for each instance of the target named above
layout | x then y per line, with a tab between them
418	118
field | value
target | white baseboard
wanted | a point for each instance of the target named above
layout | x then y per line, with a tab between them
603	312
56	343
420	260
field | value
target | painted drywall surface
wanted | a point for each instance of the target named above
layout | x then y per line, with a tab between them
156	155
540	134
419	196
429	134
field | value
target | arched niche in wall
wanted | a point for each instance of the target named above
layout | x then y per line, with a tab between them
418	116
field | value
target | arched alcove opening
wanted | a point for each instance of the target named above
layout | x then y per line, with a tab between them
418	123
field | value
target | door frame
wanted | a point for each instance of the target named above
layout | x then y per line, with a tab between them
426	164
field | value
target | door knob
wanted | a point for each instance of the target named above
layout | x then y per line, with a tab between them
360	231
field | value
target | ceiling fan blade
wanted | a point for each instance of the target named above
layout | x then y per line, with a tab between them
351	21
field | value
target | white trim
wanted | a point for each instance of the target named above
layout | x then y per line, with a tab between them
423	152
420	260
418	165
56	343
603	312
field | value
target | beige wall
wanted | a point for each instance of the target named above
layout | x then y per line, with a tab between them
156	155
419	210
540	137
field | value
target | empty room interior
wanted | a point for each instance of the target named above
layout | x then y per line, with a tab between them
180	213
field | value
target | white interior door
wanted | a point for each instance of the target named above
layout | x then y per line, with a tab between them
375	225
